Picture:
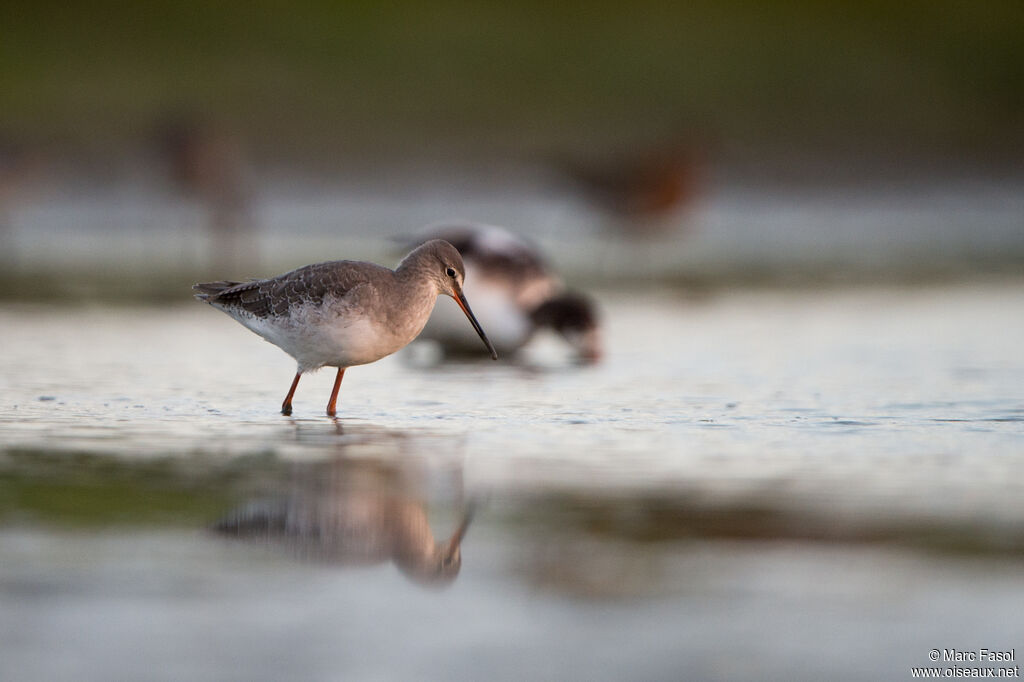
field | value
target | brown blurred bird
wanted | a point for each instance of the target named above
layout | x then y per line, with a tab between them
642	190
20	166
206	161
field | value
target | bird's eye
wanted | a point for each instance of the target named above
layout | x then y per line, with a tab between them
450	272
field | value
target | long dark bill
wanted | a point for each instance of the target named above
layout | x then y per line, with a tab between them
461	300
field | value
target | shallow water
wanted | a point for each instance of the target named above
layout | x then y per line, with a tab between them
769	484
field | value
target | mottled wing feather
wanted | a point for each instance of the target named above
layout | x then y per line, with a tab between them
278	295
252	297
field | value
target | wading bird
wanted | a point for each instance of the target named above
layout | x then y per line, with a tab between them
345	313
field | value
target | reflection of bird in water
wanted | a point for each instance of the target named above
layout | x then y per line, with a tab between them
352	513
206	162
515	293
643	192
345	313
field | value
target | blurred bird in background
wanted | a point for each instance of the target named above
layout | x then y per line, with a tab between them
206	163
20	169
643	192
515	295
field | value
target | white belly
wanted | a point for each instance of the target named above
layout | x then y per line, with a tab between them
327	336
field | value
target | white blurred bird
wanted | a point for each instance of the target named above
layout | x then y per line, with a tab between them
515	295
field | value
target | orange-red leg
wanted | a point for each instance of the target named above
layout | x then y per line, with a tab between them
286	406
331	409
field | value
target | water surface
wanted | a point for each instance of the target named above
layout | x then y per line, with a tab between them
773	484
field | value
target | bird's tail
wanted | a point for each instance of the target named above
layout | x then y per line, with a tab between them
207	290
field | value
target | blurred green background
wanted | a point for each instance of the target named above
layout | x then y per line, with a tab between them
323	82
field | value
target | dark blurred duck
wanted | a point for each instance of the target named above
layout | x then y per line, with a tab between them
515	295
352	512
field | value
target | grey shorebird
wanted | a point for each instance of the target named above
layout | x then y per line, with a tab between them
345	313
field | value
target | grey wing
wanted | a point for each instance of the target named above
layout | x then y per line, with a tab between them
276	296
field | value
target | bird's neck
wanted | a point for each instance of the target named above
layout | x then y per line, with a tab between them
417	293
415	273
